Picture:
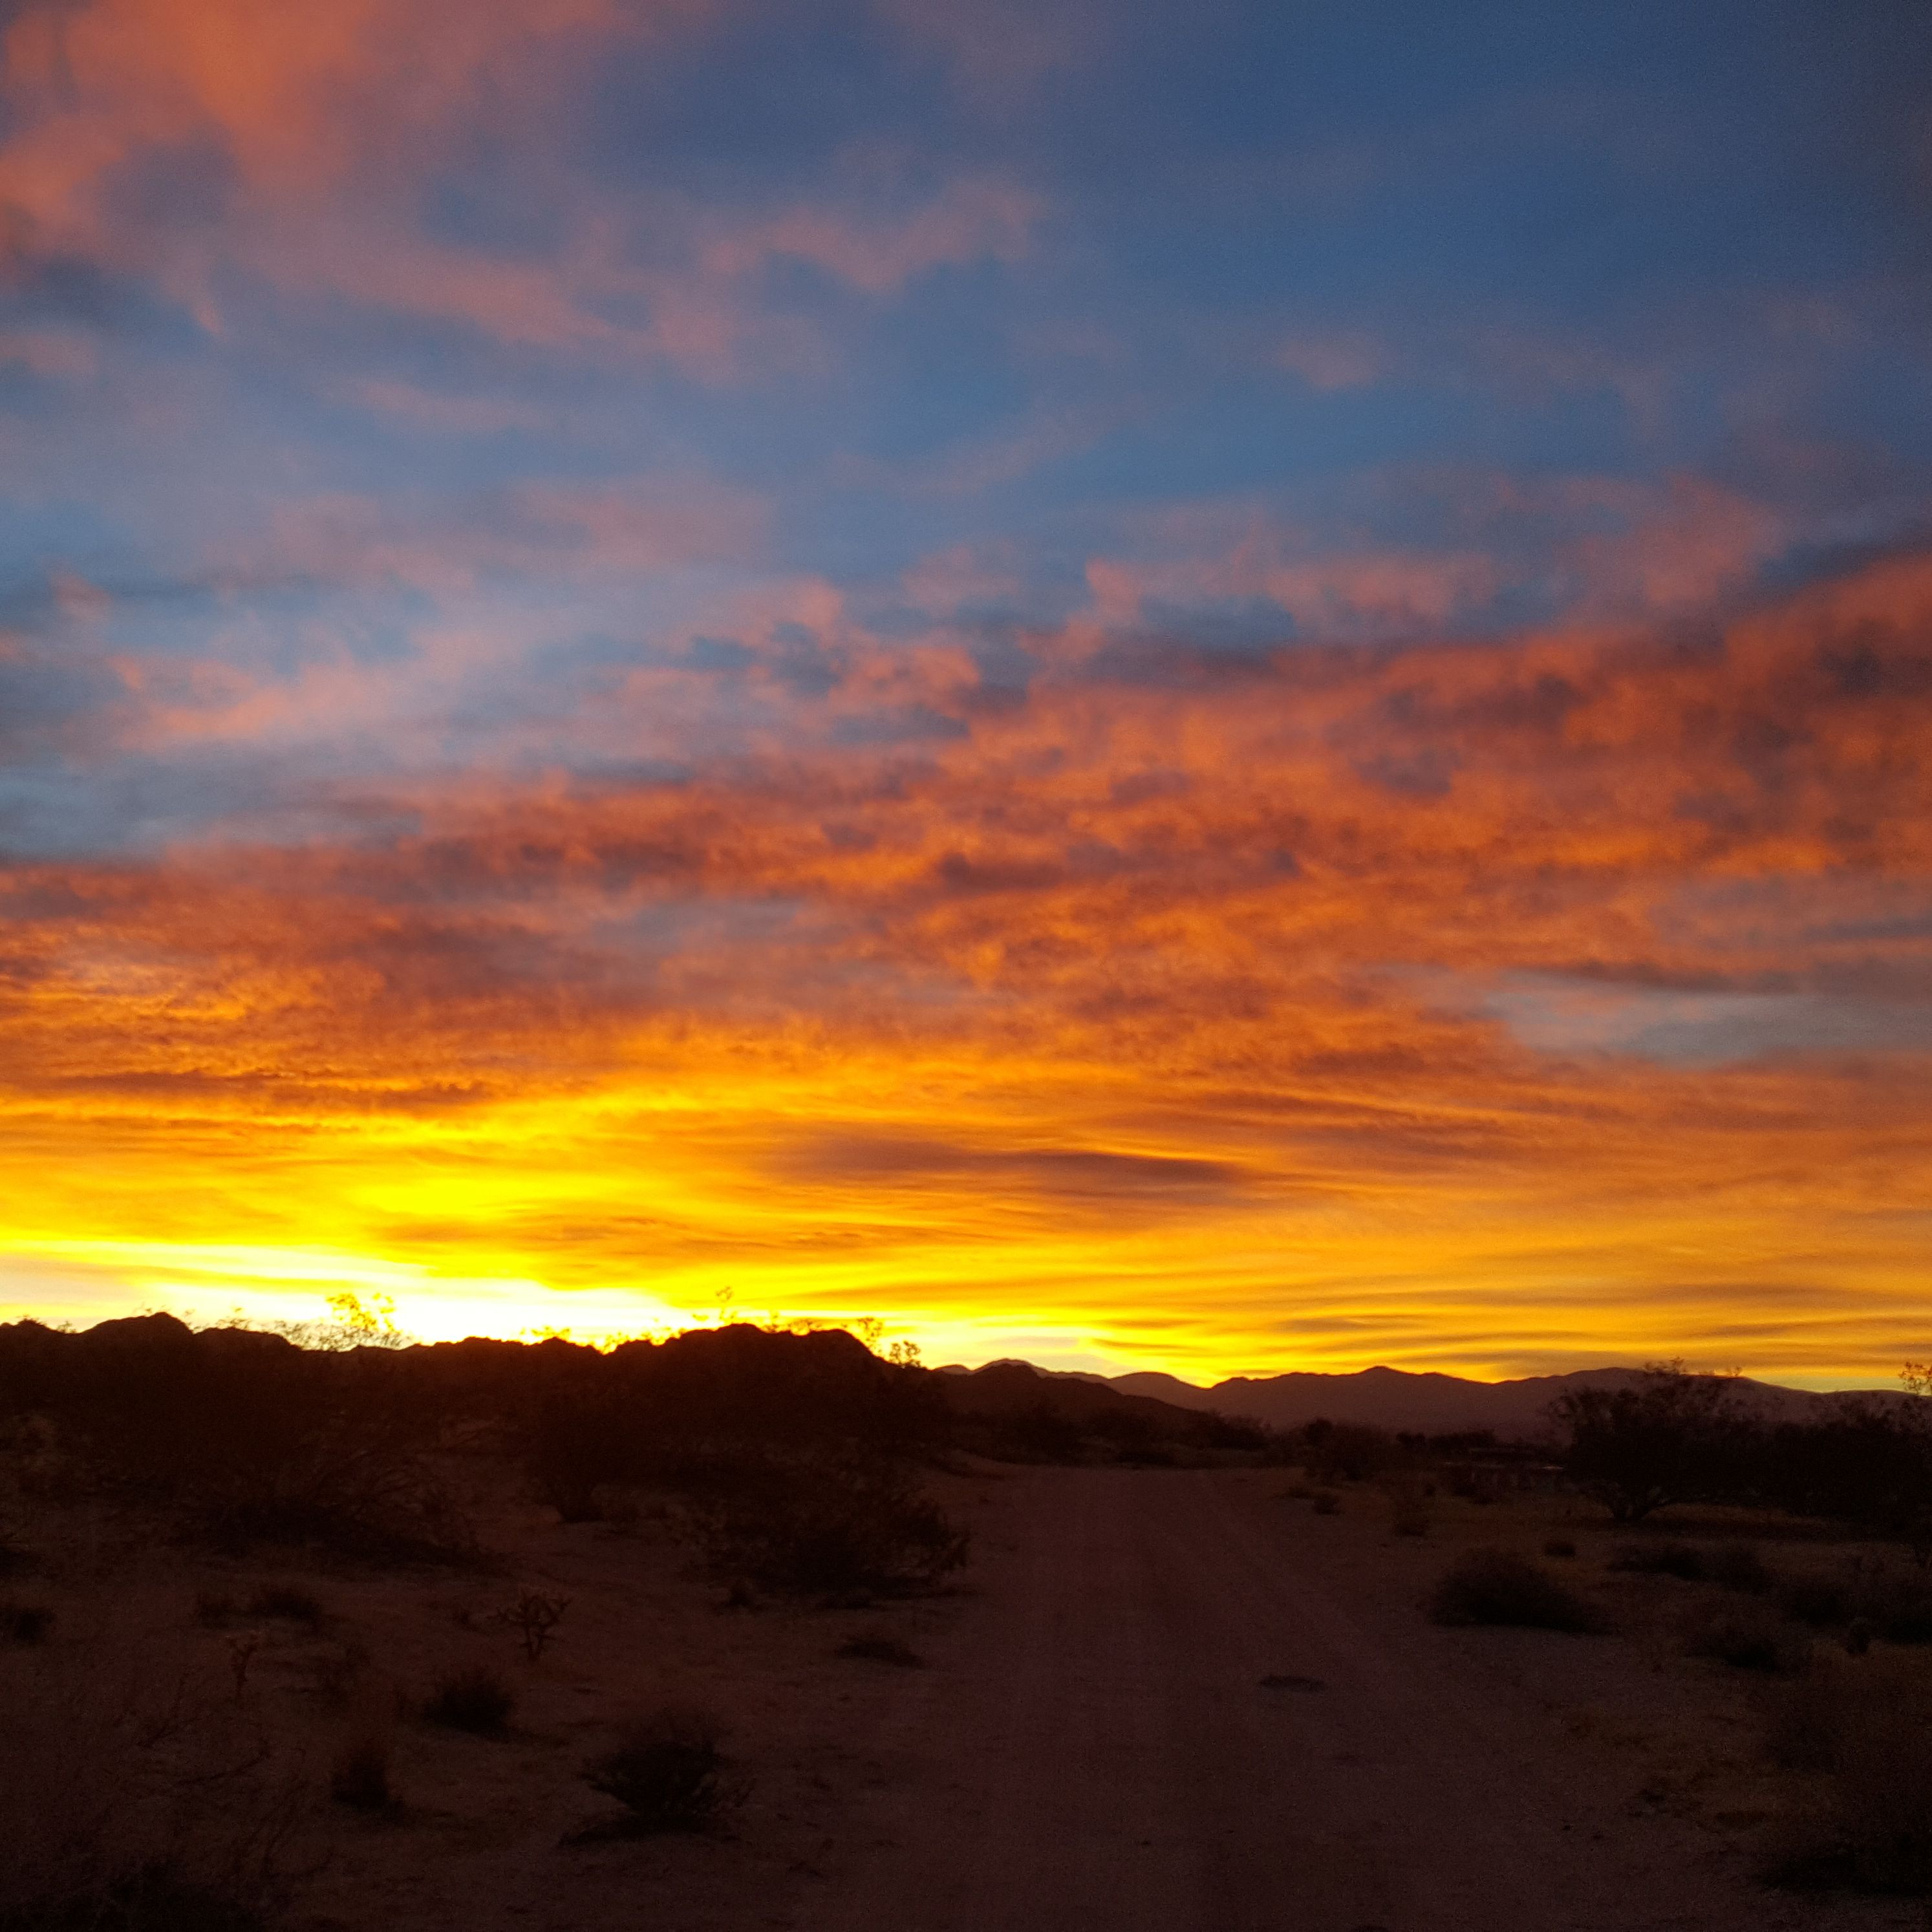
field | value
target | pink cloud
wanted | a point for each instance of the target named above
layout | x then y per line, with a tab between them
1330	362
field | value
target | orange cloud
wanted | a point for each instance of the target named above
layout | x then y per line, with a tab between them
1471	1005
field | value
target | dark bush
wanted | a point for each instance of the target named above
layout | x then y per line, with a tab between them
1326	1502
832	1528
669	1775
154	1899
1898	1606
477	1700
1349	1452
1737	1566
360	1776
1869	1826
1681	1560
1747	1637
1492	1586
1817	1599
287	1601
1804	1721
1559	1545
241	1437
881	1647
25	1623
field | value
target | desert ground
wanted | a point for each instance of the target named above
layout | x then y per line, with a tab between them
1165	1699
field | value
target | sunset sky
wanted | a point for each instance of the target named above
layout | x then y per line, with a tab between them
1226	686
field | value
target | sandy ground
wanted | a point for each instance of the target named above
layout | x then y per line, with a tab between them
1102	1747
1092	1742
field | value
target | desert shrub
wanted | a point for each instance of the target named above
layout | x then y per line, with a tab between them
668	1774
629	1418
133	1801
336	1674
287	1601
364	1500
1681	1560
156	1898
241	1438
1349	1452
1866	1824
1815	1599
1898	1606
1804	1721
1411	1503
359	1776
879	1646
213	1609
1747	1636
534	1617
1493	1586
1043	1433
477	1700
833	1528
1869	1461
25	1623
1738	1566
1326	1502
1559	1545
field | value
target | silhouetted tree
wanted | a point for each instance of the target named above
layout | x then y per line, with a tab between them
1669	1437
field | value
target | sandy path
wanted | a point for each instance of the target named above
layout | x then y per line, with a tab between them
1094	1748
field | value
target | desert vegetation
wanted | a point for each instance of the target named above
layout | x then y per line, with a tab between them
374	1597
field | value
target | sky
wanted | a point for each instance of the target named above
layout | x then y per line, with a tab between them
1223	686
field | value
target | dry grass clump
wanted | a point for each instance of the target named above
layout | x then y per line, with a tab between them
1747	1637
477	1700
668	1774
881	1646
1494	1586
1864	1822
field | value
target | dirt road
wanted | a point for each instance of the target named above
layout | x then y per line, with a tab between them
1096	1749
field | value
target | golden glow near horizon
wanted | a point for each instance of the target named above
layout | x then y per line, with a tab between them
1187	1106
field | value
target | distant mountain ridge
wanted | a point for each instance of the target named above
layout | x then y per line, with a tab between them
1434	1403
